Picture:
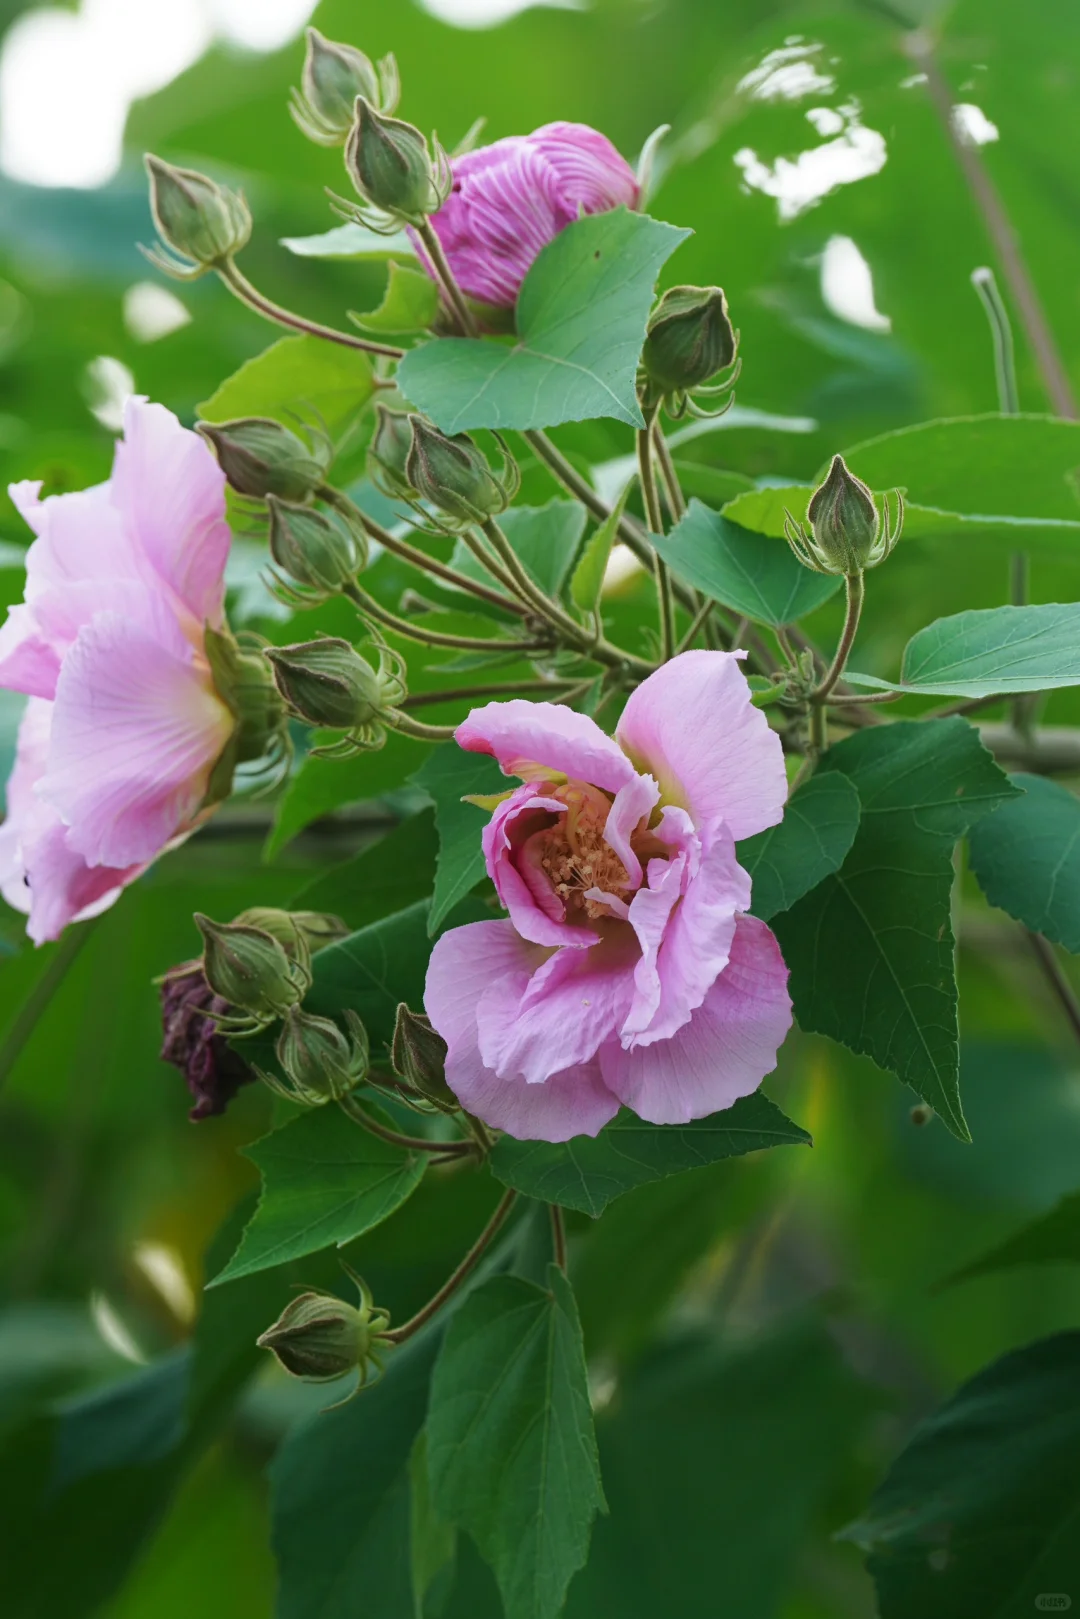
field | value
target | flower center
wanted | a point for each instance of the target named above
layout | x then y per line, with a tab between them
574	856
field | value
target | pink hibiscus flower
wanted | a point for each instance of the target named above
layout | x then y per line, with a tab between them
124	725
511	198
628	971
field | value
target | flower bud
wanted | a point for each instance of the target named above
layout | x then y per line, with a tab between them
249	969
846	533
327	682
389	452
320	1337
690	338
320	1063
296	931
452	475
203	222
260	457
418	1055
311	549
389	165
332	78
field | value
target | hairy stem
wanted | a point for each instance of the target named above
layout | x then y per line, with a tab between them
454	294
239	285
697	624
418	730
413	632
359	1115
675	497
398	1335
855	589
654	517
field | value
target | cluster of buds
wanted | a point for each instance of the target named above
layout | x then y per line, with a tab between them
333	76
319	1337
846	533
400	177
260	457
198	1007
689	340
448	479
327	683
202	224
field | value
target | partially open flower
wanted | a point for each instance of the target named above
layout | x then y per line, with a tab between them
628	970
126	744
510	199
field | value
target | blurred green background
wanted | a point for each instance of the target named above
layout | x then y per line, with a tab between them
824	197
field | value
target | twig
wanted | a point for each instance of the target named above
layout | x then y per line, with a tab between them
241	287
398	1335
359	1115
558	1234
1043	952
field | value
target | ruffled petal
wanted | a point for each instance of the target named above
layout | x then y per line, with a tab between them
562	1013
136	730
725	1050
80	536
692	725
538	741
169	487
535	909
464	963
29	660
632	804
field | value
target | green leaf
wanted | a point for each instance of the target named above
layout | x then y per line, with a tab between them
410	305
581	323
299	377
588	577
588	1172
988	650
446	775
325	1180
351	242
756	576
765	511
545	539
870	949
321	786
978	1514
372	970
1026	857
785	862
395	870
341	1499
1052	1239
511	1446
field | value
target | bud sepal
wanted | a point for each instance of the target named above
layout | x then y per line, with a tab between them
845	533
388	454
333	76
320	1337
202	224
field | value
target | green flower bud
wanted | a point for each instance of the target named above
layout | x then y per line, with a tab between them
298	932
452	475
312	550
389	452
203	222
327	682
846	533
418	1055
260	457
690	338
321	1063
389	165
332	78
320	1337
250	969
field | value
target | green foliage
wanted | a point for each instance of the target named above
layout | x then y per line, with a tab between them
871	949
545	538
588	1172
587	580
978	1512
446	776
739	569
398	866
1004	649
786	861
1054	1239
410	305
511	1446
580	325
1027	859
325	1180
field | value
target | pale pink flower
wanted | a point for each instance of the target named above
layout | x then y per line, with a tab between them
124	724
628	970
511	198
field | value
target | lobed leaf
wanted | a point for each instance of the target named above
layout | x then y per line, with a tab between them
755	576
785	862
989	650
447	774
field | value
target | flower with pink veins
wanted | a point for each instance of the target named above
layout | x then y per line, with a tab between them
511	198
125	724
628	971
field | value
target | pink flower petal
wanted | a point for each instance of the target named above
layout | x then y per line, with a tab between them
464	963
535	909
167	483
633	803
692	726
81	536
725	1050
29	660
136	731
539	741
560	1015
